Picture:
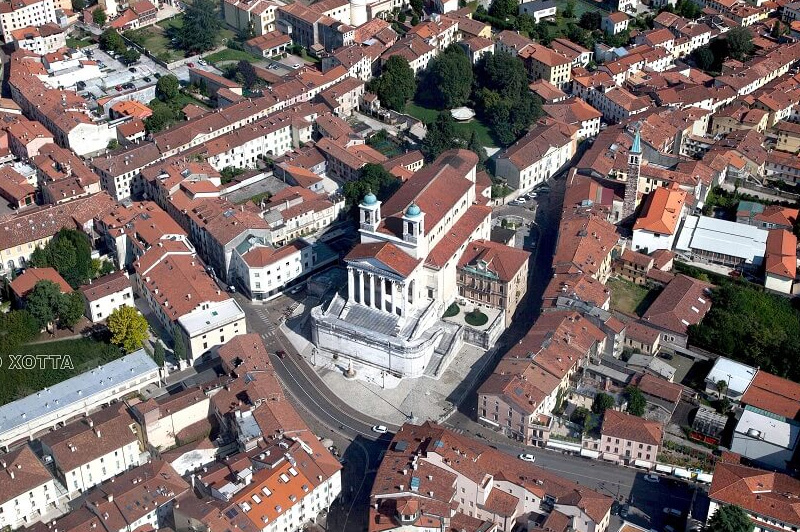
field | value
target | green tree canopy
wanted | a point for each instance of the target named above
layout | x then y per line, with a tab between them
396	84
42	303
374	178
167	88
70	309
16	328
590	20
417	6
78	5
158	354
448	80
703	57
569	10
99	17
740	43
69	253
441	136
503	9
637	404
112	41
602	402
163	115
128	328
248	73
201	26
130	56
179	349
729	518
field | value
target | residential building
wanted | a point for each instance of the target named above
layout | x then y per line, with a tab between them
773	394
477	47
734	376
657	225
493	275
15	15
107	294
580	55
169	419
780	261
776	217
466	485
76	396
270	44
62	175
539	155
256	16
576	112
628	439
40	40
27	137
547	64
788	136
184	298
585	245
23	284
414	49
767	497
16	189
538	9
683	302
28	492
633	266
615	22
296	212
642	338
93	449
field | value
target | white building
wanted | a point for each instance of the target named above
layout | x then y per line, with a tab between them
736	376
211	324
106	294
403	274
256	16
76	396
40	40
94	449
657	225
538	9
615	22
28	490
539	155
24	13
767	439
164	417
722	242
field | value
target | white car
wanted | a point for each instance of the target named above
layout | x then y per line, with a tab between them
652	477
296	65
380	429
526	457
202	62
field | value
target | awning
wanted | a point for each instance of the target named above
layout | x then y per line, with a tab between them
681	473
489	421
661	468
590	454
564	446
705	477
642	463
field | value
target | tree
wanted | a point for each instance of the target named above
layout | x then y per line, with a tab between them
704	58
602	402
201	26
99	17
590	20
113	144
112	41
128	328
158	354
70	253
729	518
778	30
448	79
374	178
162	116
179	349
569	10
740	43
475	145
78	5
503	9
440	137
167	88
16	328
637	404
396	84
722	385
70	309
415	20
42	303
526	24
248	72
416	6
130	56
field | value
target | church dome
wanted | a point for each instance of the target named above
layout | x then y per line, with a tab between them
370	199
413	210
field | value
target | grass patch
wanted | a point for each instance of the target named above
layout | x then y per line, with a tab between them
476	318
581	7
451	311
229	54
159	45
630	298
464	129
84	353
78	43
183	99
387	147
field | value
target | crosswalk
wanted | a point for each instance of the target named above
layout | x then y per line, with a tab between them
266	323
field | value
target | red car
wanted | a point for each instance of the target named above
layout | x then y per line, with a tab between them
118	87
190	65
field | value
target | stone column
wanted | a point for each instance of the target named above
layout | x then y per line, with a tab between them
404	299
351	286
395	286
372	290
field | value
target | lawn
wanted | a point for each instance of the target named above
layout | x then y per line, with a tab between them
581	7
229	54
464	129
387	147
159	44
630	298
85	354
77	43
183	99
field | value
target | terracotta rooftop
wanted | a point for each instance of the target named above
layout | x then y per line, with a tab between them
21	472
683	302
774	394
386	254
105	286
626	426
662	211
25	282
503	261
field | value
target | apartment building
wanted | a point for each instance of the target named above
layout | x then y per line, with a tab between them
493	275
251	16
169	419
19	14
40	40
27	137
63	176
413	49
465	485
628	439
547	64
28	490
539	155
186	301
93	449
107	294
576	112
296	211
657	225
615	22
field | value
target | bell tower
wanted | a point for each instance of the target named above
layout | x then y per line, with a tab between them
634	170
369	213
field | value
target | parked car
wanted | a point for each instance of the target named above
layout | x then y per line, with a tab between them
190	65
146	79
118	87
673	511
526	457
623	512
296	65
281	353
202	62
380	429
652	477
157	75
132	69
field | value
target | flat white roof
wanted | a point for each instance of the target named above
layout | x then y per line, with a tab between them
75	390
766	427
216	315
739	375
722	236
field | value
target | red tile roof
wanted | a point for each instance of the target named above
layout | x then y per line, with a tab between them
662	211
684	301
773	394
105	286
625	426
387	254
504	261
24	283
781	254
